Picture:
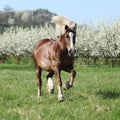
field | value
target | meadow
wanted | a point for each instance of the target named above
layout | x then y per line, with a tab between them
94	96
96	91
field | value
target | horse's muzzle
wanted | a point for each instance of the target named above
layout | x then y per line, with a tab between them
71	52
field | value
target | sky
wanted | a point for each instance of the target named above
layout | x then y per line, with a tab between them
80	11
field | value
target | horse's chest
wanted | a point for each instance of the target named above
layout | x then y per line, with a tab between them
67	60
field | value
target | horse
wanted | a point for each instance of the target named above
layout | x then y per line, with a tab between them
55	56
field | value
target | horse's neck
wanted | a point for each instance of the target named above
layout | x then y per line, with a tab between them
60	42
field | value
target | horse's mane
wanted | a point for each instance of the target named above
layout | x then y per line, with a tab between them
60	22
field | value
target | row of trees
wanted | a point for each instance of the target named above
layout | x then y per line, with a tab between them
19	41
102	41
27	17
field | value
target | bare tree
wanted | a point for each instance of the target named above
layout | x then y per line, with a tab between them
9	12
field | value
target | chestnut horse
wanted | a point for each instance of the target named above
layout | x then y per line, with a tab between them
54	56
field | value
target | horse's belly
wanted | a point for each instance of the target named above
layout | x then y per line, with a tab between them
45	64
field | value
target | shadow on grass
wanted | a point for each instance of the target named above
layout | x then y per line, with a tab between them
109	94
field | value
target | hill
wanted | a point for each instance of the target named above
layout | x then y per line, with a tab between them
9	16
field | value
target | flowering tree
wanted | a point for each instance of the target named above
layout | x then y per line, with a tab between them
20	41
102	41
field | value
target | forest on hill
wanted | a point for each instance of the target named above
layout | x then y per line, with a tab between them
11	17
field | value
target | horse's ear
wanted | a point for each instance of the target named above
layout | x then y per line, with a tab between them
66	27
75	26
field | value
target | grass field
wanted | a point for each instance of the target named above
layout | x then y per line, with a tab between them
94	96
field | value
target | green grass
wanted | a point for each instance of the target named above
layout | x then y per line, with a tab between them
94	96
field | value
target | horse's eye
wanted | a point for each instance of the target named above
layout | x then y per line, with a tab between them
67	36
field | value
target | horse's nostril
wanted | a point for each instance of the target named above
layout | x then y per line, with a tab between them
70	51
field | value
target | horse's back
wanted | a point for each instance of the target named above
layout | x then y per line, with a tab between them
42	42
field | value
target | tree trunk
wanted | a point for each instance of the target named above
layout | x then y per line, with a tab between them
113	62
95	60
85	62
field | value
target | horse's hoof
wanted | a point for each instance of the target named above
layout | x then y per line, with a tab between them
66	85
38	96
61	98
50	91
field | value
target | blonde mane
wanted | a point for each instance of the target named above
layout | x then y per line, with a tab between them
60	22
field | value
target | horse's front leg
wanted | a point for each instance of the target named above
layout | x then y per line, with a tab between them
59	84
69	83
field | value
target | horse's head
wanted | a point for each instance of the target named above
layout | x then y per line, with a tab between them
69	40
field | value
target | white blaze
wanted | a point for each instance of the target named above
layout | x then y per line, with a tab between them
71	40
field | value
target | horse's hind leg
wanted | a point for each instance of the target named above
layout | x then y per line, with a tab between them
50	82
39	80
69	83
